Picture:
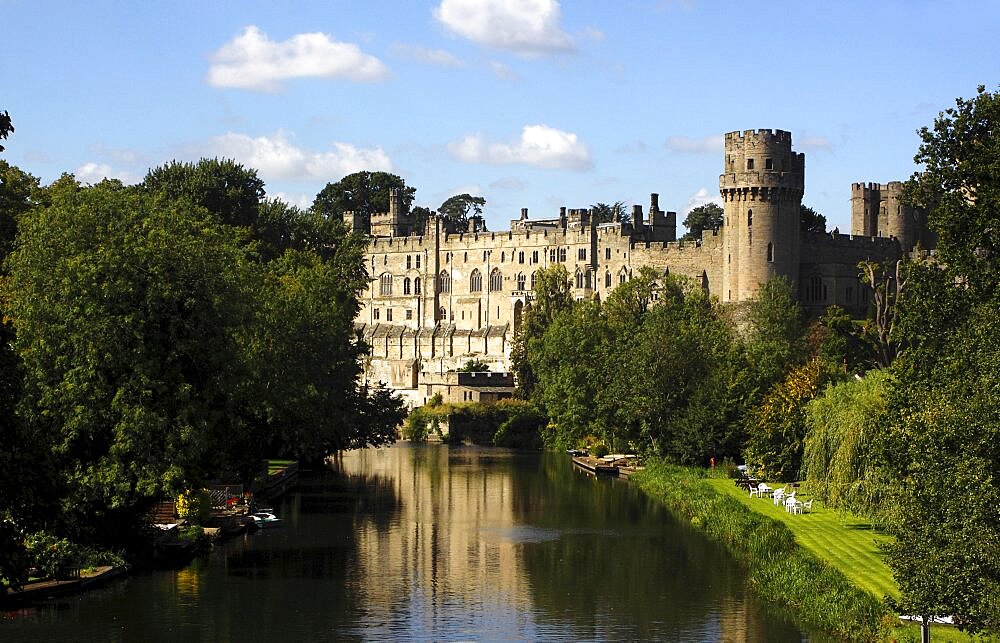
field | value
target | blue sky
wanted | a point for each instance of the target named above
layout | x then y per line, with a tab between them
529	103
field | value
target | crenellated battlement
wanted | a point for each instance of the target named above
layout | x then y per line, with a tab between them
760	137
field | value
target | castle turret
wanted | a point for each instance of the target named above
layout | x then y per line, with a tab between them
877	210
761	190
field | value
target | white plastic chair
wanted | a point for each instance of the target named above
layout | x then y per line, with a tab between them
807	506
778	496
760	490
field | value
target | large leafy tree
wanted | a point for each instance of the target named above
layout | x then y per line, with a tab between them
941	445
704	217
616	212
552	295
128	311
457	210
6	126
810	220
221	186
364	193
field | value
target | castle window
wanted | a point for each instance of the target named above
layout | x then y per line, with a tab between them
770	251
581	254
416	286
520	257
476	281
496	280
750	237
406	286
465	257
385	260
534	256
408	266
418	262
503	257
768	164
607	253
729	258
607	280
521	280
815	289
447	257
588	280
533	281
444	281
385	284
579	279
409	314
388	314
484	255
552	255
562	255
749	164
622	276
749	218
375	314
442	314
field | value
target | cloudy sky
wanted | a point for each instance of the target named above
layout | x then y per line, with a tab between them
529	103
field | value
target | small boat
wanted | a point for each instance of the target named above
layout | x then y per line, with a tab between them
265	519
576	452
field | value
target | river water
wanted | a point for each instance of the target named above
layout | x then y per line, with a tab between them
435	543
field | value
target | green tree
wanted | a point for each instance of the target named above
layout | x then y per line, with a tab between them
222	186
774	334
364	193
616	212
880	330
128	311
552	294
455	212
811	220
704	217
6	127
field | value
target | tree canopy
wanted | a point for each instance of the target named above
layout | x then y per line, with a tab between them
704	217
811	220
6	127
616	212
455	212
364	193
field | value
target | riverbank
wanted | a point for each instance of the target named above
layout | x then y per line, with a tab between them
793	579
827	571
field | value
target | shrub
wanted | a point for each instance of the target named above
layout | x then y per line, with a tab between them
195	506
52	557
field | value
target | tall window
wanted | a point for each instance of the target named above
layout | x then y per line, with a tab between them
416	286
533	276
520	257
444	281
406	286
622	276
476	281
442	314
749	218
579	279
581	254
385	284
388	314
770	251
815	289
749	164
607	280
503	257
408	266
496	280
534	256
607	253
552	255
562	255
521	281
418	262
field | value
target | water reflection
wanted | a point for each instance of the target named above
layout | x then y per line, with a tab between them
432	543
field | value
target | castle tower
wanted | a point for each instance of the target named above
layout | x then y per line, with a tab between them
877	210
761	190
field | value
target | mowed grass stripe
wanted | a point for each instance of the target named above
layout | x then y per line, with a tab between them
848	544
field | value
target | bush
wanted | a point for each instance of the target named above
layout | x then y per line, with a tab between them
52	557
195	506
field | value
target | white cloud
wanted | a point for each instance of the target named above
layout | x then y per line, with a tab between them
701	197
438	57
814	143
303	201
502	71
276	158
539	145
254	61
96	172
686	145
508	183
523	26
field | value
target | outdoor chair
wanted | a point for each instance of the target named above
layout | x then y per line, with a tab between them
760	490
778	496
807	506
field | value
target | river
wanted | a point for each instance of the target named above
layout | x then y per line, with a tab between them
435	543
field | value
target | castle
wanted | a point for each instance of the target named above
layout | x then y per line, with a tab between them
438	299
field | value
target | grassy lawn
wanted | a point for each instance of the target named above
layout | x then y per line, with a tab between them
849	545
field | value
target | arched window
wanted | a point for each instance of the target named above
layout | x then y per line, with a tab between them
622	276
406	286
533	275
444	281
496	280
579	279
749	218
521	281
503	257
815	289
607	280
770	251
416	286
476	281
385	284
442	314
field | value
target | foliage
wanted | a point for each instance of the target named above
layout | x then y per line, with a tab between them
616	212
194	506
455	212
6	127
704	217
474	366
844	427
52	557
774	334
552	294
880	330
364	193
811	221
222	186
776	428
776	566
506	423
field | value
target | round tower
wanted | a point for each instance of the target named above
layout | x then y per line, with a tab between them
761	190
